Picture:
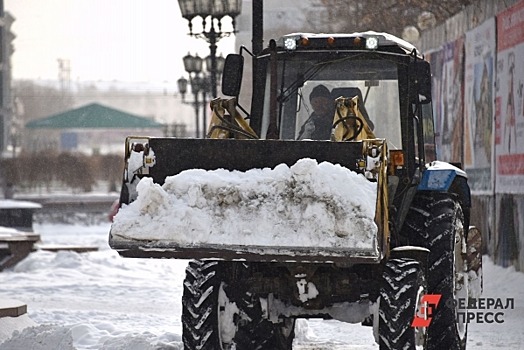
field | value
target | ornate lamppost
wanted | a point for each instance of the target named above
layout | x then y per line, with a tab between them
212	12
199	81
208	82
193	66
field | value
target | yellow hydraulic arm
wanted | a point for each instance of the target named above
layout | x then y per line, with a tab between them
232	125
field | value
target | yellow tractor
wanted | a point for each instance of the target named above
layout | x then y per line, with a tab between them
324	200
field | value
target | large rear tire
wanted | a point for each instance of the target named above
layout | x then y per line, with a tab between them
436	221
403	286
218	313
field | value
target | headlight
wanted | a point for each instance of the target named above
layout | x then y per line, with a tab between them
290	43
372	43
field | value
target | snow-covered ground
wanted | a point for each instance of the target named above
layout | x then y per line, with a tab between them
98	300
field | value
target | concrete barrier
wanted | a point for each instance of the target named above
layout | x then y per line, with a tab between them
15	246
13	317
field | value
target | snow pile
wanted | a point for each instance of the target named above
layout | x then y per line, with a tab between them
17	204
42	337
305	205
8	325
101	299
9	232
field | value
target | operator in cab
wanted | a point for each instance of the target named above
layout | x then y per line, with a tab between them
319	124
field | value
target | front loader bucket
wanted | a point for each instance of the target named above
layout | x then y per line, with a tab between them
249	199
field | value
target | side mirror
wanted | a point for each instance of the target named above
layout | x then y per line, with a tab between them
232	74
421	82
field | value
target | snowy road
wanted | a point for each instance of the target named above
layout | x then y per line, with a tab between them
98	300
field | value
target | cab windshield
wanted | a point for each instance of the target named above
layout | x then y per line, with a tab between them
374	81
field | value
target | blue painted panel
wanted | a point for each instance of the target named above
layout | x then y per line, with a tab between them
437	180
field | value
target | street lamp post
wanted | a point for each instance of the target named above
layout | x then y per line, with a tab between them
193	66
205	90
212	12
199	83
213	73
182	88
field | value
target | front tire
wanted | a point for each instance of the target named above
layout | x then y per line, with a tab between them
219	313
200	328
436	221
403	286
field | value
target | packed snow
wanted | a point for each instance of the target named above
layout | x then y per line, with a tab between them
98	300
16	204
9	232
326	205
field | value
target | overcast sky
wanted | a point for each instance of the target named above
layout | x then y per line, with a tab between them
124	40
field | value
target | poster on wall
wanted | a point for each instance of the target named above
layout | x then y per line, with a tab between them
509	101
448	94
451	129
480	49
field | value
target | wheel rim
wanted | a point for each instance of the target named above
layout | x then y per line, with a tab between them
226	315
420	332
460	281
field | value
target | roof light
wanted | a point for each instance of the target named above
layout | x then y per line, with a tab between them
290	43
372	43
331	41
304	41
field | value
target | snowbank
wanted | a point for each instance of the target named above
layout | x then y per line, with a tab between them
43	337
8	325
17	204
305	205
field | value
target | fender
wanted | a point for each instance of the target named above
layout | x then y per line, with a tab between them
444	177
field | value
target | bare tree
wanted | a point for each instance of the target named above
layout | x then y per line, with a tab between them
391	16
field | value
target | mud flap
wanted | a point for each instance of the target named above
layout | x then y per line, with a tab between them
474	262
